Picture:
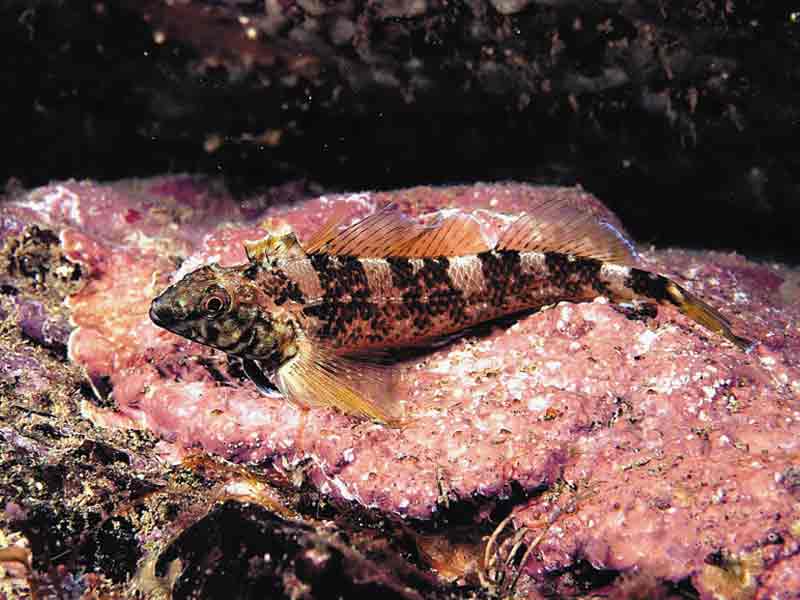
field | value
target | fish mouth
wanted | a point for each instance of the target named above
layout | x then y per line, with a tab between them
160	313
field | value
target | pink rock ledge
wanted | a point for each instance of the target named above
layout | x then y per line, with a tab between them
681	451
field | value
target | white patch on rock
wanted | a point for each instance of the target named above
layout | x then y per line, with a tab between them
241	488
645	341
363	199
456	452
668	384
344	491
45	201
194	390
538	403
141	240
515	386
566	313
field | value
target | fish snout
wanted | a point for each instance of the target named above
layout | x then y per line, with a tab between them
161	312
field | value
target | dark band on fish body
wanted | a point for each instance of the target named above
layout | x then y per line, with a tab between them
348	313
341	277
429	292
507	281
282	288
575	273
402	271
503	276
648	284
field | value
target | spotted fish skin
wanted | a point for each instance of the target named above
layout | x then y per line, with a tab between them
377	303
316	317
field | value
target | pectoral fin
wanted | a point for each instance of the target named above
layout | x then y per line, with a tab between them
318	377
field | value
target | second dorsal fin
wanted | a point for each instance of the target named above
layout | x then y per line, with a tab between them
555	225
388	232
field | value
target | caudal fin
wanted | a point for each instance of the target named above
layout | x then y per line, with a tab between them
705	315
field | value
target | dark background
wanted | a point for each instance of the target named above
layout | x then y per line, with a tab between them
683	117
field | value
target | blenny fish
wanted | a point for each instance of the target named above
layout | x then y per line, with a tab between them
322	320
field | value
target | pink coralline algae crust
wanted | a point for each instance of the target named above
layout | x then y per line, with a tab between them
681	448
697	464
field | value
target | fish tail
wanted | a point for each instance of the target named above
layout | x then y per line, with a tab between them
700	312
630	283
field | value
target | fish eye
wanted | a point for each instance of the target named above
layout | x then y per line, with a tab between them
216	303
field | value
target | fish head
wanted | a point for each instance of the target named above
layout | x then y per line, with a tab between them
222	308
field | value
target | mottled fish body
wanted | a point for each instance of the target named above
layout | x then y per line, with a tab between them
379	303
321	319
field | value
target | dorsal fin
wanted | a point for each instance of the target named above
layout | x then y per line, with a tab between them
454	235
388	232
328	231
555	225
273	247
371	237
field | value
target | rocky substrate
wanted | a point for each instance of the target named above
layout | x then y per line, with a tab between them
585	448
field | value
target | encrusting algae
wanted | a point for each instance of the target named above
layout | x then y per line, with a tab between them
321	319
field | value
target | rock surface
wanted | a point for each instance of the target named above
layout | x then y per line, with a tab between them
616	443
